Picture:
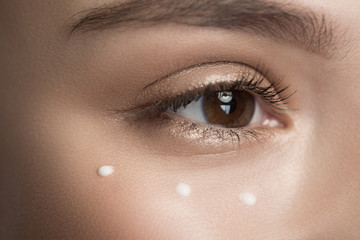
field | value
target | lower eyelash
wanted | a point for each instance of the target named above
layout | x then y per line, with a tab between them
199	132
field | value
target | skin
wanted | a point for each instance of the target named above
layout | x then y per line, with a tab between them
57	131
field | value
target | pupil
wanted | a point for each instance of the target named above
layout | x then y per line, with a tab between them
231	109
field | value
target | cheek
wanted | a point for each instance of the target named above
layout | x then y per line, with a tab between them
90	180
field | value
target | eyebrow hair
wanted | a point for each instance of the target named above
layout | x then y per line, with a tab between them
302	28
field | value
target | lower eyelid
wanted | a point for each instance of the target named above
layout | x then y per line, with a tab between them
201	133
172	134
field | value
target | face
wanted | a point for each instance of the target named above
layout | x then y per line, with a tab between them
176	127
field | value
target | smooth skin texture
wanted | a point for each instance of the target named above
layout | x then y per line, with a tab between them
56	131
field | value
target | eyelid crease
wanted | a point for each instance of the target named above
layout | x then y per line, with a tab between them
260	69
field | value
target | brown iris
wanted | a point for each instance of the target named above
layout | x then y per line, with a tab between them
230	109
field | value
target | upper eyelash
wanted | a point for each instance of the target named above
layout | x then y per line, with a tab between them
270	94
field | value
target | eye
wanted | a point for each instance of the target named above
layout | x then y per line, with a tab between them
228	109
201	107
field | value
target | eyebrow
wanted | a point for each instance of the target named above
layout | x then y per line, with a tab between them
299	27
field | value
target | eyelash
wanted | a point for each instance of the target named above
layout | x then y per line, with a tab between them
271	94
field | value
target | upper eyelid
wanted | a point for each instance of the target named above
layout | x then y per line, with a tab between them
257	73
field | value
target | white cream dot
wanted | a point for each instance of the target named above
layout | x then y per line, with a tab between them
183	189
248	199
105	171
